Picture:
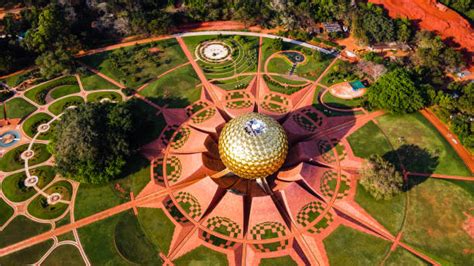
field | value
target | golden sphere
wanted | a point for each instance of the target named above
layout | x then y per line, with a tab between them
253	146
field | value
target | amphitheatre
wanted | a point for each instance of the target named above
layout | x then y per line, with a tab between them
253	159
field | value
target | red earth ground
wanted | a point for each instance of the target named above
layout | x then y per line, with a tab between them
445	22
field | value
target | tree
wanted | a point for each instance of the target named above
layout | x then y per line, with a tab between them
92	142
372	25
396	92
51	64
380	178
50	32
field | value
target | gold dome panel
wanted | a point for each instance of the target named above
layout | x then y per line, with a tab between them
253	146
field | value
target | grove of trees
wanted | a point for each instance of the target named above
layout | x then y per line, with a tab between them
92	142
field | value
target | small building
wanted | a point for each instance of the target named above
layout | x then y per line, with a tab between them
332	27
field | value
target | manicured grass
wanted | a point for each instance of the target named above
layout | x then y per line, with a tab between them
202	256
41	209
279	64
6	211
368	140
38	93
98	241
176	89
312	68
336	102
347	246
98	96
157	227
136	175
236	83
64	255
414	129
389	213
284	80
337	73
154	124
20	229
282	261
15	80
436	221
30	126
132	243
66	236
11	161
403	257
92	199
326	111
59	106
243	58
13	185
27	256
17	108
64	90
138	65
91	81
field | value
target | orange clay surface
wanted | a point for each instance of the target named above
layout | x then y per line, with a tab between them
448	23
344	90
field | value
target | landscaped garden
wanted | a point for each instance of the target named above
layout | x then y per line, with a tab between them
128	160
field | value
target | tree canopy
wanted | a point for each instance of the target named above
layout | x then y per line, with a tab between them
396	92
380	178
92	142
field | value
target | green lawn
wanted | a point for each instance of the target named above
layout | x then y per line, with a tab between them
336	102
6	211
157	227
338	73
280	261
312	68
15	80
92	199
98	241
91	81
98	96
137	65
279	65
31	124
202	256
59	106
285	81
436	218
154	124
11	161
64	90
38	93
347	246
326	111
136	175
39	207
13	185
413	129
21	228
368	140
240	82
27	256
17	108
176	89
403	257
389	213
133	244
64	255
